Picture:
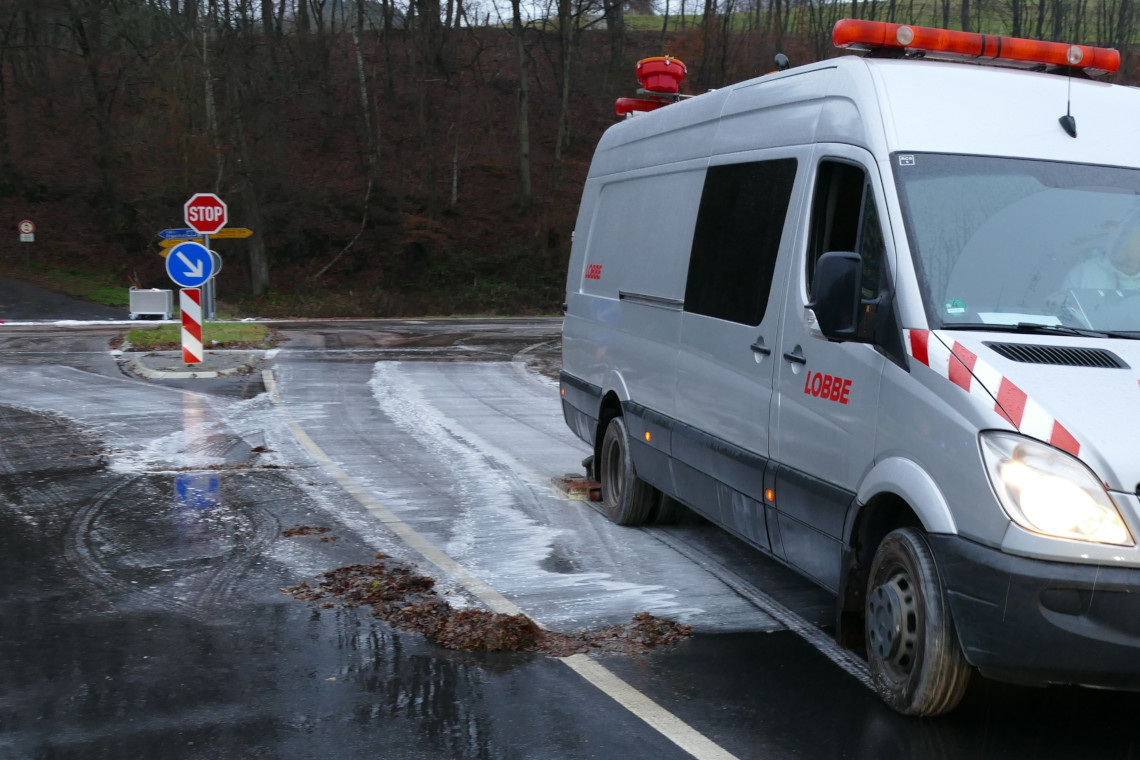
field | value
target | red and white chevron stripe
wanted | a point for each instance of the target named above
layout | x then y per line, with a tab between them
959	365
190	302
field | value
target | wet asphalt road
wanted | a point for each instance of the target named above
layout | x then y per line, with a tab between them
142	553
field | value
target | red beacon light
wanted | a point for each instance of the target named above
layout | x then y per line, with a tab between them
661	74
880	36
660	79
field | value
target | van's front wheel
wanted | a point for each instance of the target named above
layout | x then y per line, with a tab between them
916	663
626	498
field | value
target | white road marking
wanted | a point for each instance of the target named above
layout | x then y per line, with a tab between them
666	723
661	720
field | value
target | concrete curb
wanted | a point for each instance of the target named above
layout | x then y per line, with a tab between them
135	361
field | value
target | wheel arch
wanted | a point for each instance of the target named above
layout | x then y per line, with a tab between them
896	493
610	407
907	480
613	397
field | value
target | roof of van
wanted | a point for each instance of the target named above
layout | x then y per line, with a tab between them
989	110
889	105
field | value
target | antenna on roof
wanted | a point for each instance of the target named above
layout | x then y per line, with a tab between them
1068	123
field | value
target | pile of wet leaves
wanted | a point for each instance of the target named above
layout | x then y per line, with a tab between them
408	601
305	530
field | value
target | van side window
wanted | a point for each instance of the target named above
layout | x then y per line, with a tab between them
845	218
870	245
739	226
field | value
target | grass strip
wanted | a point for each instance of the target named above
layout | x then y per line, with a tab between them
214	335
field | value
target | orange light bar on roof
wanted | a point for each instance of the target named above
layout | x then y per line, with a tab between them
880	35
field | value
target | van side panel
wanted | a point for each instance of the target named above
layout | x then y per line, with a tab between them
684	131
641	233
933	423
773	113
625	289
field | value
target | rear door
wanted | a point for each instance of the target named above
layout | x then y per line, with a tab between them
827	402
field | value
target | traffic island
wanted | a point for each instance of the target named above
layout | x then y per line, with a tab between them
231	348
168	365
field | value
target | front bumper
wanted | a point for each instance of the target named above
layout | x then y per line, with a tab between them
1034	622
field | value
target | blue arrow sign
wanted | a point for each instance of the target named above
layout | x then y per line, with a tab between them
184	232
197	490
189	264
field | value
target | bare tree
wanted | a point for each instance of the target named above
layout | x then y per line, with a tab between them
615	23
267	19
87	22
567	20
7	33
526	191
371	138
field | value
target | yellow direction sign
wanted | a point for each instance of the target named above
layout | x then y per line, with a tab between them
225	232
168	244
232	232
178	241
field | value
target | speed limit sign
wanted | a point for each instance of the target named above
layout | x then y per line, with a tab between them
27	231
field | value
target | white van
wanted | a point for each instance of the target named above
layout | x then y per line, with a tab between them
879	317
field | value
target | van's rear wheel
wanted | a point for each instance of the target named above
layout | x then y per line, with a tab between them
916	663
626	498
668	511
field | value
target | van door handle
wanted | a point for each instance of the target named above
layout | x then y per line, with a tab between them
760	348
796	356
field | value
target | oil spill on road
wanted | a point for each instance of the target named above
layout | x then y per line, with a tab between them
407	601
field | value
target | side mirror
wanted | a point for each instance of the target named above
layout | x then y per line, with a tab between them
836	291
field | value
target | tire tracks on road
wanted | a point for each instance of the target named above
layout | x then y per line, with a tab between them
638	704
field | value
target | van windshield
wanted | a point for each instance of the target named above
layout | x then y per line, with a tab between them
1023	244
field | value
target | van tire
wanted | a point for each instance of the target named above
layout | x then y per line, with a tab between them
626	498
668	511
916	663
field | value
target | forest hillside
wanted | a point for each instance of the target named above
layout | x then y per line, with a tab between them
391	159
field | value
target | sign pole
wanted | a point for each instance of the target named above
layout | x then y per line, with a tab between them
208	288
27	235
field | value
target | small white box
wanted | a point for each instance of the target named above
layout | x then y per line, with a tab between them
151	304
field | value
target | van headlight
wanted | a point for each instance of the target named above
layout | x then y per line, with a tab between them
1048	491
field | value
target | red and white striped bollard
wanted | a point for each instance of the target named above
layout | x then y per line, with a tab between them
190	302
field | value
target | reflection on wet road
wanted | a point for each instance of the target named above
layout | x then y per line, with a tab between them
143	546
142	617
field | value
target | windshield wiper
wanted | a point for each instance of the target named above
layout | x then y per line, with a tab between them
1035	328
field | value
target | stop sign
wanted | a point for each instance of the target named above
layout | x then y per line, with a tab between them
206	213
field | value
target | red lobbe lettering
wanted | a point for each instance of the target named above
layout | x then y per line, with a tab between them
593	271
829	387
